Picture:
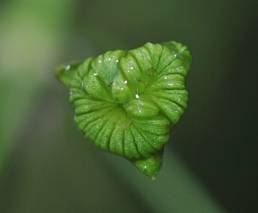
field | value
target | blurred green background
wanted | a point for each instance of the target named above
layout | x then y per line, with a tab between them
211	162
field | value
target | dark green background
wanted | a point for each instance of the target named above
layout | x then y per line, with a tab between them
47	166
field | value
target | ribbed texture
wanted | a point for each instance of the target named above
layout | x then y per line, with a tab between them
126	102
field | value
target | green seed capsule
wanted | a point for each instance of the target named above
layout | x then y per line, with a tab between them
126	102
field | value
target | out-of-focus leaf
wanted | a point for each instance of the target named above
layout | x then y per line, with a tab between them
175	190
30	37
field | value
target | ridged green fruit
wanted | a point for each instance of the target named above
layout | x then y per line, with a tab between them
126	102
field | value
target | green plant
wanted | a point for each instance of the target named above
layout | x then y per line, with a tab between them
126	102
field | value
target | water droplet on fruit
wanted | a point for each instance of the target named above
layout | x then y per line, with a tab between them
68	67
82	84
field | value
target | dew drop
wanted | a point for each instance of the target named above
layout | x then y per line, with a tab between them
99	61
165	77
95	74
125	82
137	96
178	69
117	60
131	68
82	84
68	67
